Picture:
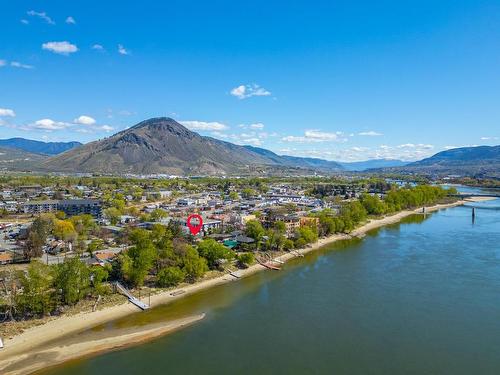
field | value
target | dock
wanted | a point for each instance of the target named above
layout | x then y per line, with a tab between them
235	275
177	293
137	302
269	266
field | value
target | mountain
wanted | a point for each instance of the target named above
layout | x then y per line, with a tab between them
299	162
360	166
16	159
38	147
162	145
482	161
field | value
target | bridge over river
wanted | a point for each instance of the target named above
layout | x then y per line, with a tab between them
477	195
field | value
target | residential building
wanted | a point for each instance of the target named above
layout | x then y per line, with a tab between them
72	207
40	207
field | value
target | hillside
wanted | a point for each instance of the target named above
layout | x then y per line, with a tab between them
162	145
16	159
299	162
38	147
482	161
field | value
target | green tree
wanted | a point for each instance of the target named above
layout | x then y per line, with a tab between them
84	224
169	276
64	230
373	205
213	252
72	279
248	193
158	214
37	236
192	264
98	276
139	259
305	235
246	259
113	215
37	293
254	229
95	245
288	245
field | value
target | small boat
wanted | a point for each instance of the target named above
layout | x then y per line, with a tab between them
278	261
267	265
271	267
1	343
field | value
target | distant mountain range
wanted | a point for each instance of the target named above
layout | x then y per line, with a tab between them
481	161
38	147
299	162
360	166
162	145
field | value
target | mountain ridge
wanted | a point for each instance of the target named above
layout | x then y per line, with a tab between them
38	147
479	161
162	145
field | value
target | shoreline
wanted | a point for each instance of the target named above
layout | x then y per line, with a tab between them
29	362
13	356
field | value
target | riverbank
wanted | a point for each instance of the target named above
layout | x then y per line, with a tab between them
13	359
28	362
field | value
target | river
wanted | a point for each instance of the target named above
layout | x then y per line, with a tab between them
419	297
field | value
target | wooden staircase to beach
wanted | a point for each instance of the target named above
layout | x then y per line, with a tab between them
121	289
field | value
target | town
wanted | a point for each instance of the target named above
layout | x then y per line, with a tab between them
139	204
66	239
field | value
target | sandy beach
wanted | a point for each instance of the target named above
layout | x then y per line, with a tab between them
14	357
33	360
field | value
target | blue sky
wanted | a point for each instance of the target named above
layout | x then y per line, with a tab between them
340	80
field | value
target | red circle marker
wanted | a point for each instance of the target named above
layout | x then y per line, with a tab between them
194	228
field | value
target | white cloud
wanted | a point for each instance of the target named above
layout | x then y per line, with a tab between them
202	125
253	141
84	120
249	138
41	15
98	47
62	48
5	112
17	64
412	145
122	50
49	124
26	22
70	20
315	136
370	133
257	125
489	138
247	91
357	153
124	112
107	128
